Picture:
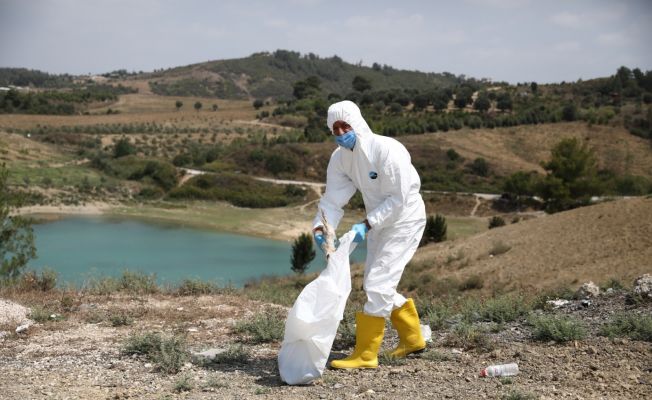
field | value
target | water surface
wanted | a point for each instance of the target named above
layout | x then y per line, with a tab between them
82	247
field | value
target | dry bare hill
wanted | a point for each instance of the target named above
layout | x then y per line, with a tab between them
523	147
600	242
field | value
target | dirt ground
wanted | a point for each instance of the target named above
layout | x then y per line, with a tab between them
78	359
611	239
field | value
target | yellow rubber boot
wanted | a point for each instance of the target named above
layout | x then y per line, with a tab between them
406	321
369	333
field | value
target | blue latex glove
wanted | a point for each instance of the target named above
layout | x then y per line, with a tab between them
360	232
319	239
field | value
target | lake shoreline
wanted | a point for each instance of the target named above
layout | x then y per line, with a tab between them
215	217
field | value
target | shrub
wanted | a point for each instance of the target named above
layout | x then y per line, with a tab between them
234	354
557	328
496	221
634	326
138	283
263	327
435	356
183	384
123	147
472	282
39	314
168	354
385	358
195	287
499	247
435	314
239	190
120	319
45	281
468	337
503	309
480	167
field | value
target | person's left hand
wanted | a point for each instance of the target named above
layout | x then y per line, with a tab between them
360	232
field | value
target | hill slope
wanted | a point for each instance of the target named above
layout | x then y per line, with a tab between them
273	74
608	240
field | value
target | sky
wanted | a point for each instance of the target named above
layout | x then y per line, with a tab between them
503	40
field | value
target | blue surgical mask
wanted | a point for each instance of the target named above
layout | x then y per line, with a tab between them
346	140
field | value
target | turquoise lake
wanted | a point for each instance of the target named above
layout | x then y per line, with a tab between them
82	247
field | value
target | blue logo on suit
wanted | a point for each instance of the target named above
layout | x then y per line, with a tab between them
373	175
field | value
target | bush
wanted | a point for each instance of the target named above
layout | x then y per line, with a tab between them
183	384
195	287
138	283
234	354
120	319
480	167
498	248
46	281
123	148
557	328
436	314
634	326
500	310
239	190
469	337
472	282
168	354
263	327
495	222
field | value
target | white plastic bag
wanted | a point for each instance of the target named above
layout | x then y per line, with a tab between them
312	322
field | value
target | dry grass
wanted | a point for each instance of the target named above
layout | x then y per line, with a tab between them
522	148
558	250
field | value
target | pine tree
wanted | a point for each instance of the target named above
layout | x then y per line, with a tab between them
16	234
302	253
435	231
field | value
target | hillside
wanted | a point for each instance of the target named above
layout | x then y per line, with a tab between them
612	240
263	75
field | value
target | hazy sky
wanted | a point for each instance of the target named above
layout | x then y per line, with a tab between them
512	40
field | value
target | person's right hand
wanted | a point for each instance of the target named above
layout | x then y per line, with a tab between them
318	235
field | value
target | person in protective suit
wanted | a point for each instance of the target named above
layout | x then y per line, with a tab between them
380	168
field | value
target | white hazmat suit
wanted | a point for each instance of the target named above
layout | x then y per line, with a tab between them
380	168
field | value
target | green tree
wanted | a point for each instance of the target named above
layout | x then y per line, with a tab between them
504	101
123	148
480	167
198	105
435	230
482	103
307	88
571	179
463	96
569	112
534	87
302	253
361	84
258	103
178	104
215	107
519	184
16	234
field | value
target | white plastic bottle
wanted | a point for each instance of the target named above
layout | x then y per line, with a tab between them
500	370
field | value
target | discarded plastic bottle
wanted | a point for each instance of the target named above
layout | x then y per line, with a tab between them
500	370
